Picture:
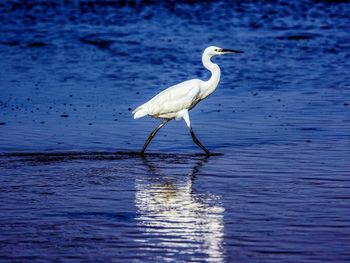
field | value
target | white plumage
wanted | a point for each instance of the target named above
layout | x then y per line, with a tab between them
169	102
177	100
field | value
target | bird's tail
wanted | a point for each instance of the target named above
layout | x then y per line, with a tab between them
139	112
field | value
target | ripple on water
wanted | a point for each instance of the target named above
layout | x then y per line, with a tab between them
76	189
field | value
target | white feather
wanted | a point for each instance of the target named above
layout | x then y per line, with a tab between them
177	100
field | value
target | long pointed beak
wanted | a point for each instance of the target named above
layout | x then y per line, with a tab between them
231	51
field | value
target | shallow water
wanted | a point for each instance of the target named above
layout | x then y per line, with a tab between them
72	184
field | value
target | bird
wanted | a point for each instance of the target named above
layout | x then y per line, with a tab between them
176	101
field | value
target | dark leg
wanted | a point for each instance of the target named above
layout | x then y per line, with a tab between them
152	135
194	138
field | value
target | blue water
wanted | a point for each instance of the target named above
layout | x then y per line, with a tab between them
73	187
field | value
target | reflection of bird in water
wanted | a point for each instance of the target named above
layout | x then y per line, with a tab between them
176	219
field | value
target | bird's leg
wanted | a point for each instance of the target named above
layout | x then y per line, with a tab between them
186	117
194	138
153	134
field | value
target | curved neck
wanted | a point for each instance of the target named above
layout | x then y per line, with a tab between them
210	85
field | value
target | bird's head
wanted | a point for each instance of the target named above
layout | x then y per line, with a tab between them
213	51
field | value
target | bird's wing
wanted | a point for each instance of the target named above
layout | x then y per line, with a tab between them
178	97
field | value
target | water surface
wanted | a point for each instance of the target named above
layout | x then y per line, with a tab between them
73	187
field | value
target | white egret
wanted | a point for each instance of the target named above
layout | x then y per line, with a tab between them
176	101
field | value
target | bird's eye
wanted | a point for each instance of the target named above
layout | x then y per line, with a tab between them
216	49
